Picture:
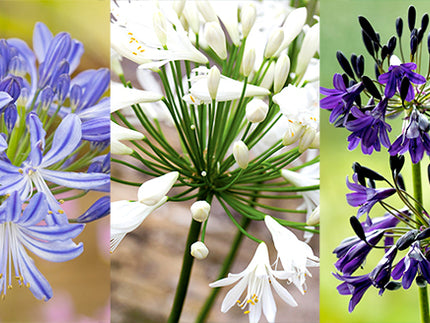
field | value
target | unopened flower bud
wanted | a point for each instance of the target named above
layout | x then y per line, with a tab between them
152	191
178	6
248	62
160	27
256	110
241	154
316	142
314	218
293	133
268	78
216	39
115	63
275	40
207	11
306	139
213	81
292	26
282	68
200	210
192	15
309	47
247	18
199	250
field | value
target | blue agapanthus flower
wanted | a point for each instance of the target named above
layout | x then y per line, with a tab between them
53	128
24	230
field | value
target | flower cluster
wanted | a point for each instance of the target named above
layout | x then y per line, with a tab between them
48	122
242	113
405	92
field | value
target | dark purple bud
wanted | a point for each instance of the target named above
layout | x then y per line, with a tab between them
401	182
10	116
345	80
371	87
414	44
428	173
406	240
399	27
11	85
368	29
396	163
404	88
384	52
368	43
343	62
377	71
412	14
428	43
423	234
360	66
420	35
392	285
392	44
424	22
367	172
421	281
358	229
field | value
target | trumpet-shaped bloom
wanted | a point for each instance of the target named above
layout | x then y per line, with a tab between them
256	280
35	170
228	89
21	230
126	216
355	286
295	255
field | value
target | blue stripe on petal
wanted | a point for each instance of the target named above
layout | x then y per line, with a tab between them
37	139
83	181
42	37
54	232
35	211
5	98
66	138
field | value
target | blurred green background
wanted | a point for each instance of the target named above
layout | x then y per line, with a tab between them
340	31
81	286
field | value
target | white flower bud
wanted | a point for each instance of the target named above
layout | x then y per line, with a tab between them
200	210
160	27
241	154
292	26
282	68
115	63
199	250
248	62
314	218
293	133
213	81
268	78
309	47
207	11
178	6
275	40
216	39
247	18
256	110
316	142
192	15
152	191
306	139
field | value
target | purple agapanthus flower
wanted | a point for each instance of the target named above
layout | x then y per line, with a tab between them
355	286
408	267
24	230
414	137
370	128
393	79
340	99
365	197
36	169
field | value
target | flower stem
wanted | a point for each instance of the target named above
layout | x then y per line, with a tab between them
187	264
228	261
418	195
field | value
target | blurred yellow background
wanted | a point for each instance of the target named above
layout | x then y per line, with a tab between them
81	286
340	30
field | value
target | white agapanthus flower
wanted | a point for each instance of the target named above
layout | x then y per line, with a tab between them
256	281
295	255
126	216
228	89
120	133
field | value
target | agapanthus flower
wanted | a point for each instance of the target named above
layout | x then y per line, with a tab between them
412	264
370	128
365	197
25	230
37	168
414	137
256	280
340	99
355	286
394	76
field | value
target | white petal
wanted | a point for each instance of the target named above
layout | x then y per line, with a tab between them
122	97
233	295
268	303
153	190
283	293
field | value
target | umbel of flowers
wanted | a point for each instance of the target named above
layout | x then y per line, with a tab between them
398	89
239	83
53	128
